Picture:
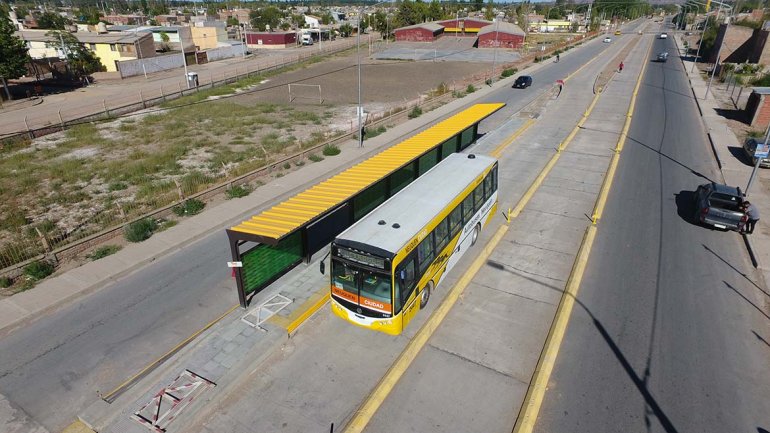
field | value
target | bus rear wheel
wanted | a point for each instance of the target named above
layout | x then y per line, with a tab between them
425	295
475	235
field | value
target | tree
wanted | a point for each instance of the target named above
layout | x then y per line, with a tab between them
53	21
285	26
80	61
145	8
327	18
232	22
478	4
13	52
269	16
164	42
89	15
435	12
489	11
346	30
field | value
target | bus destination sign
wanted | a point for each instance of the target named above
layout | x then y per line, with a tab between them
375	262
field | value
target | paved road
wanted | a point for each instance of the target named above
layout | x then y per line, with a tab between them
671	330
53	368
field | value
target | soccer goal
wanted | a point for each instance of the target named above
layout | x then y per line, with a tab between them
310	92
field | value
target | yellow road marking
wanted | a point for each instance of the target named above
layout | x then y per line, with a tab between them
303	312
380	392
388	382
525	423
77	427
130	380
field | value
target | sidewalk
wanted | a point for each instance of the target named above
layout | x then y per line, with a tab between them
734	171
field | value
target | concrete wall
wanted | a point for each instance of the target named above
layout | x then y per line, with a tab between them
736	44
208	37
224	52
131	68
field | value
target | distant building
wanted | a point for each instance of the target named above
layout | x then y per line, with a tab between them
312	21
501	35
108	47
425	32
554	26
242	15
207	35
178	36
464	25
125	19
271	39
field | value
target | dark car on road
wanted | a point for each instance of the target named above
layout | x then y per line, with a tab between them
720	206
662	57
522	82
749	146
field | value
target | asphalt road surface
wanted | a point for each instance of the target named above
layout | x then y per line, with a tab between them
53	368
670	333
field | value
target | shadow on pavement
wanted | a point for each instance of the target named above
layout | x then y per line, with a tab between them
746	277
641	384
738	115
746	299
739	154
759	337
670	159
685	206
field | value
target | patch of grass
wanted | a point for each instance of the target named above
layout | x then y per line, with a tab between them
166	224
470	89
375	132
189	207
140	230
299	163
238	191
13	219
331	150
305	116
5	282
286	165
315	158
507	72
195	181
415	113
104	251
39	270
117	186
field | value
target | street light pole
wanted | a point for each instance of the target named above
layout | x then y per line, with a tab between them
358	60
719	52
494	58
756	165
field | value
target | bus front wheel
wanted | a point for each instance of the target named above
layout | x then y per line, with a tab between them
425	295
475	235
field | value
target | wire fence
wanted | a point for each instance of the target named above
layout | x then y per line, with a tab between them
46	241
129	102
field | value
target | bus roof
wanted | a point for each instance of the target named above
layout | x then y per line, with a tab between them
417	204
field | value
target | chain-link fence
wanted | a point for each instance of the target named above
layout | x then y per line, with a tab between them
45	240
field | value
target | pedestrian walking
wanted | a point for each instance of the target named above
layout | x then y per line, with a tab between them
620	67
753	216
557	58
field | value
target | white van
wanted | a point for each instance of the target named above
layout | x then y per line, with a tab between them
307	39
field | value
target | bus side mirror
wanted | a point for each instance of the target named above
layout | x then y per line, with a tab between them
323	267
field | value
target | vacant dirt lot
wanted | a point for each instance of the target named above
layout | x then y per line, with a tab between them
71	184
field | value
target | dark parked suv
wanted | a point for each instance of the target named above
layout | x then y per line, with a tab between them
522	82
720	206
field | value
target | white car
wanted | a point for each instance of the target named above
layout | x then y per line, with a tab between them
663	36
607	39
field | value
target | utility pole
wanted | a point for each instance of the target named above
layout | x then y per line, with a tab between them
358	59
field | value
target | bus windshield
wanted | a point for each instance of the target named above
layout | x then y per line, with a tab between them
362	287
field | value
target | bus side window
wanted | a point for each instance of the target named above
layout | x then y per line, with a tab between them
442	235
425	252
455	221
488	186
494	177
405	276
478	195
468	208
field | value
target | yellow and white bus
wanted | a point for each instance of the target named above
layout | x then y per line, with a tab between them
386	265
